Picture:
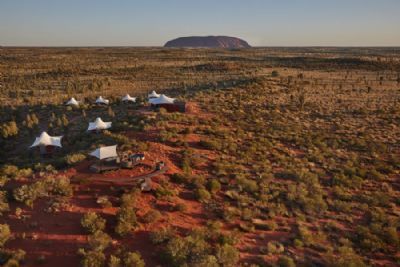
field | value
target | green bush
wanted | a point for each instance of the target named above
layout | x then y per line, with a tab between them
285	261
202	195
126	221
5	234
4	207
92	258
227	255
133	259
163	235
214	186
151	216
74	158
114	261
99	241
275	247
92	222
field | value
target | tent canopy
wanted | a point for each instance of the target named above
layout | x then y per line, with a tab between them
46	140
127	97
101	100
105	152
153	95
72	102
163	99
99	124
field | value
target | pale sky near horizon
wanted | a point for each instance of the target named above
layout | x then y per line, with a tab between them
153	22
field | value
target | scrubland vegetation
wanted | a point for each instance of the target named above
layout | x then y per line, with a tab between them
286	157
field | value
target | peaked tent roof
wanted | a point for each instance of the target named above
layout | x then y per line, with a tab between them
105	152
72	102
46	140
153	94
101	100
127	97
163	99
99	124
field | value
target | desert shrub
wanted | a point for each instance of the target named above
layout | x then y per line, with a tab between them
162	235
274	247
367	240
74	158
187	161
114	261
126	220
286	261
92	222
210	144
214	186
186	251
231	238
375	175
350	181
48	187
180	207
99	241
26	194
202	195
133	259
9	129
5	234
344	256
151	216
11	258
164	191
126	215
247	185
227	255
180	178
4	207
92	258
9	171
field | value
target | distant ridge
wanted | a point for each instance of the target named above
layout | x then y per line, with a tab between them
208	42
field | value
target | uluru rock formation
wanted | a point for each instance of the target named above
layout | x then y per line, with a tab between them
208	42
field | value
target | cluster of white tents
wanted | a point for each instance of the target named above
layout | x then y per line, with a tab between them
100	100
154	99
45	140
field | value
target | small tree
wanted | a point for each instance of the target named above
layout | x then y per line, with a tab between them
92	222
5	234
133	259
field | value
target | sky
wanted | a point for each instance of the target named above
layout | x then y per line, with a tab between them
154	22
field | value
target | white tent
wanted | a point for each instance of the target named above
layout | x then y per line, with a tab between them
153	95
46	140
105	152
99	124
72	102
101	100
129	98
163	99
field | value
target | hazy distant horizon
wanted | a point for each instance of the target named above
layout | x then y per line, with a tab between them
151	23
